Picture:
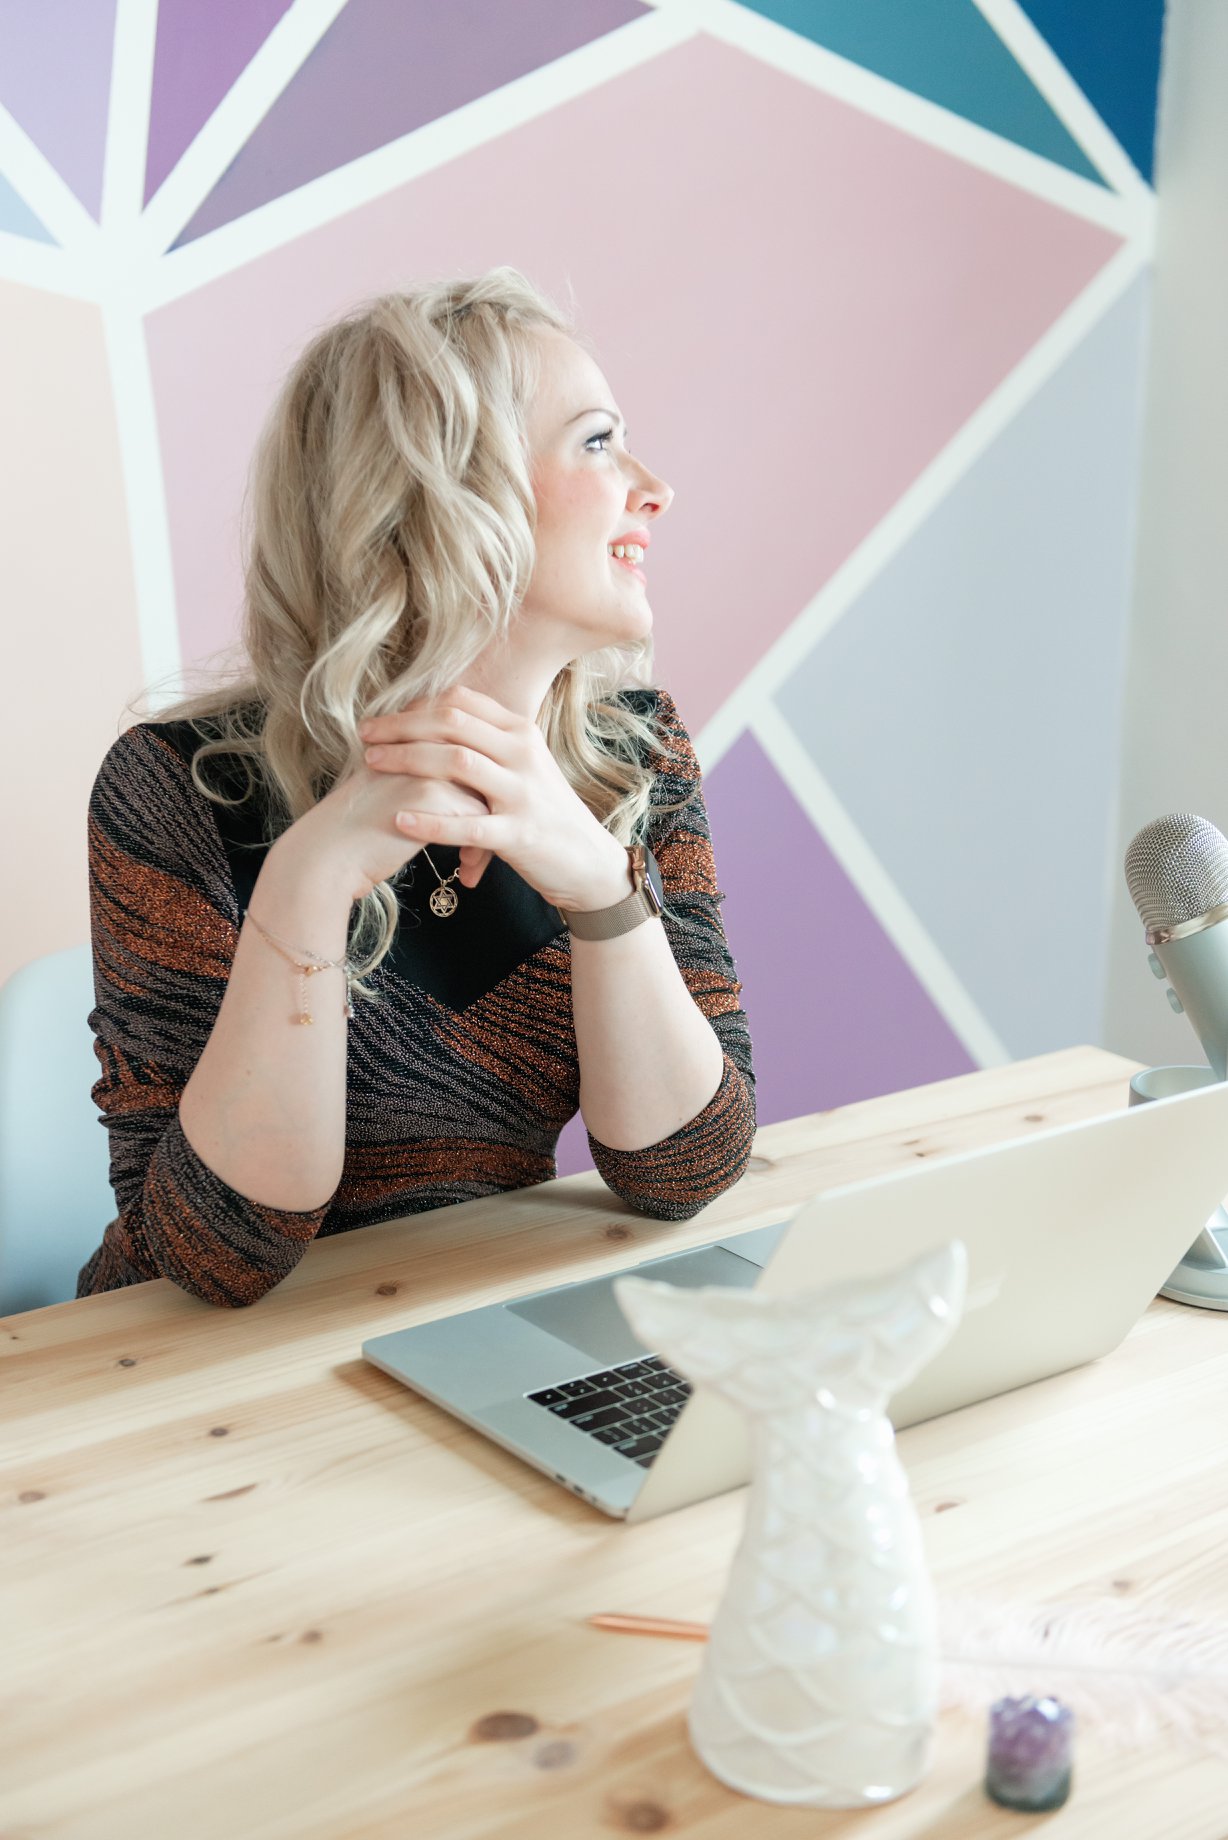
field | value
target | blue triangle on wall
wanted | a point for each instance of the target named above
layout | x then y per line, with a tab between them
16	216
1112	50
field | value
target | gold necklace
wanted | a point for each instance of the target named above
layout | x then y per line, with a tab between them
443	899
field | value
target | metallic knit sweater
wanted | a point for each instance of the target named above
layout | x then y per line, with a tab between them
459	1079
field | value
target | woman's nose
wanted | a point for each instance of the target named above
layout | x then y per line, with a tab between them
652	498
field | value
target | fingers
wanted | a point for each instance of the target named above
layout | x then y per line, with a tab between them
488	707
491	834
452	761
480	722
473	865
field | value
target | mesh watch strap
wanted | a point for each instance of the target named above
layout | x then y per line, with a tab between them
609	922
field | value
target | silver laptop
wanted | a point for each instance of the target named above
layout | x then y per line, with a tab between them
1070	1234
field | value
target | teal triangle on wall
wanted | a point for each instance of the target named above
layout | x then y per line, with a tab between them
944	50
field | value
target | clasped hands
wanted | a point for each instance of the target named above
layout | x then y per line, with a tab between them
533	820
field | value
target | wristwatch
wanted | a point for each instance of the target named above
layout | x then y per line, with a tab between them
643	903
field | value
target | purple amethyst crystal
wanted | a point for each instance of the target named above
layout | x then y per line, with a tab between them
1029	1753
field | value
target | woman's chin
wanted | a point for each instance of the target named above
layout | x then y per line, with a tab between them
626	624
634	623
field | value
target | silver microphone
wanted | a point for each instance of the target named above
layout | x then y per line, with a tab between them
1177	874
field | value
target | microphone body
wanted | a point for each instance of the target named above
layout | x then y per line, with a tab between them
1177	873
1197	968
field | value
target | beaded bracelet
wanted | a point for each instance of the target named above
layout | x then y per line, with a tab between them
305	971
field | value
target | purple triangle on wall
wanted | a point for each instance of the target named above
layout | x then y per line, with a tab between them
202	46
385	67
55	80
835	1012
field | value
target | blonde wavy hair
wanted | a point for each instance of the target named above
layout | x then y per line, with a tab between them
389	537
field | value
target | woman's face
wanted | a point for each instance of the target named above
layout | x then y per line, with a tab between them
591	493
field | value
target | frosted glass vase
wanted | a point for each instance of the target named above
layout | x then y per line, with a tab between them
819	1681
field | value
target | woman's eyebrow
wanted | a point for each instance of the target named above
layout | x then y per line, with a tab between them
597	411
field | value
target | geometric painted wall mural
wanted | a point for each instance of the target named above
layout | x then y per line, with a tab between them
55	81
871	284
966	710
836	1011
946	51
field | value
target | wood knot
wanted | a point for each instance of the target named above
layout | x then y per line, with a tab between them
497	1727
312	1635
941	1507
387	1290
1123	1584
31	1495
617	1232
640	1817
220	1431
126	1360
555	1755
200	1559
1034	1118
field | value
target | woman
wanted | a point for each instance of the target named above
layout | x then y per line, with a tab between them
368	924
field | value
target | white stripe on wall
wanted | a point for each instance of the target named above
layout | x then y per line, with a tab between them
876	888
915	505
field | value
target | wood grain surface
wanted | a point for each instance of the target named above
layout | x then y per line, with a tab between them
253	1589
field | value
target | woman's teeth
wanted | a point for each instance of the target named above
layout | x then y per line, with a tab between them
630	552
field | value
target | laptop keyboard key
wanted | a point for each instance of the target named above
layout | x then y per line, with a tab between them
641	1447
631	1407
594	1421
576	1408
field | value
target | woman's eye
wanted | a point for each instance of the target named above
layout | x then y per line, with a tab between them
607	436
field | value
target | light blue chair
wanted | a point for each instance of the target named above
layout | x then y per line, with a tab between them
55	1190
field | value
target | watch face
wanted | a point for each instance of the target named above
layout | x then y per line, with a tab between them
652	874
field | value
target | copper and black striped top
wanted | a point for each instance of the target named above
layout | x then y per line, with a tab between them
458	1081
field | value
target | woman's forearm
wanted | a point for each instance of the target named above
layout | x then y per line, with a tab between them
265	1105
650	1060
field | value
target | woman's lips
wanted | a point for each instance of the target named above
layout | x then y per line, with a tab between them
620	562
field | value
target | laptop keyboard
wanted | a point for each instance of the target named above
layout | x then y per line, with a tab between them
631	1407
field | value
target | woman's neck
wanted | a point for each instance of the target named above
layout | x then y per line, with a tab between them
517	679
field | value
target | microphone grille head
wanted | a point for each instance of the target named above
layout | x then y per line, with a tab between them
1177	869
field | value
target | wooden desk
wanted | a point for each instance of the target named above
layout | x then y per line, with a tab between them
253	1589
